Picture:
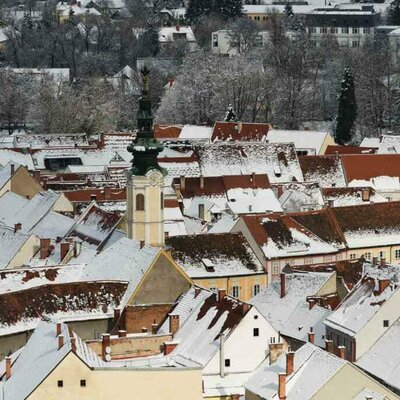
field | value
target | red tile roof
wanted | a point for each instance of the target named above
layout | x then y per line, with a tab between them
241	131
167	131
104	194
331	149
368	166
220	184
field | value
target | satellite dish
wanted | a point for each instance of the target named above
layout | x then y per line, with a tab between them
108	357
108	350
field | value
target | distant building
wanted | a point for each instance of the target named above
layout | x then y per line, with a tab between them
350	26
177	34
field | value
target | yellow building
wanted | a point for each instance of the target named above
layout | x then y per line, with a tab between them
219	261
56	364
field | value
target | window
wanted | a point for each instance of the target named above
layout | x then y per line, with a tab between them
324	30
339	257
313	30
256	289
352	256
235	291
162	200
60	383
83	382
333	30
345	30
139	202
275	267
385	323
328	258
227	362
355	43
367	30
397	254
356	31
308	260
382	254
256	332
367	256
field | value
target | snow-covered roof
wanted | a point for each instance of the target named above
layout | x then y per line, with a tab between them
382	358
279	161
75	9
301	197
195	132
279	310
223	225
245	201
40	356
37	141
303	140
15	157
10	244
6	173
169	33
214	255
351	196
313	367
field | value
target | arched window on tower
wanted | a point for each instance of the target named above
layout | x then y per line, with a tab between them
139	202
162	200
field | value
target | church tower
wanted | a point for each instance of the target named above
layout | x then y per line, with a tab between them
145	180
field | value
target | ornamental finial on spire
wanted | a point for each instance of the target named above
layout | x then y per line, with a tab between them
145	78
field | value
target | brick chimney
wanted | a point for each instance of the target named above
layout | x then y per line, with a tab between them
169	347
107	193
342	352
121	333
142	243
154	328
365	194
201	182
173	323
17	227
64	250
275	350
311	303
144	329
182	182
44	248
283	285
8	368
93	197
329	345
289	362
311	335
383	284
105	347
374	261
282	386
221	295
73	344
60	341
245	308
383	262
36	176
58	328
117	315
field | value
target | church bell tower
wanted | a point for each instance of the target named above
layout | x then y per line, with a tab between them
145	180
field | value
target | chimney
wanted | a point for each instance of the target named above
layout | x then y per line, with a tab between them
36	176
8	368
154	328
197	291
282	386
93	197
169	347
60	341
280	191
311	335
222	355
17	227
329	345
342	352
383	284
201	182
374	261
105	347
12	168
311	303
58	328
283	285
289	363
73	344
144	329
275	350
221	295
245	308
201	212
383	262
44	248
253	178
121	333
64	250
178	28
142	243
365	194
173	324
107	193
182	182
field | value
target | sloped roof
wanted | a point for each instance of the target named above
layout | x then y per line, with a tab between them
102	194
10	244
349	196
239	131
16	157
313	367
326	170
278	161
278	310
331	149
5	173
211	255
167	131
40	356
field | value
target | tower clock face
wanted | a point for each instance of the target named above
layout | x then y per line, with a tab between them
155	178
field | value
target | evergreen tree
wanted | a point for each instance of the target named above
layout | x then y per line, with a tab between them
288	9
225	9
198	8
394	13
347	109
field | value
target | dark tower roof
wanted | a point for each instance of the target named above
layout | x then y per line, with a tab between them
145	147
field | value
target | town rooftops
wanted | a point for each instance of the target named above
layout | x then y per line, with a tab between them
6	173
239	131
312	368
213	255
16	157
279	161
351	196
334	149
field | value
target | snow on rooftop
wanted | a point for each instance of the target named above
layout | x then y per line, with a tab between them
196	132
10	244
299	285
177	169
15	157
223	225
245	201
313	367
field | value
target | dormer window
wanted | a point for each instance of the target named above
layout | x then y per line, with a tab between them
208	264
277	171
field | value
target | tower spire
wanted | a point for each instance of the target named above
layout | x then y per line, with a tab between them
145	147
